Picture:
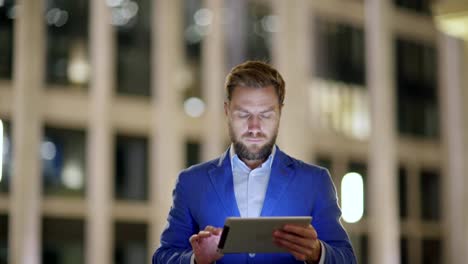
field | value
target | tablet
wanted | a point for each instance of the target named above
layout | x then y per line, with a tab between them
255	235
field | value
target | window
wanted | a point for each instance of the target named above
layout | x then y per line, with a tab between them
402	191
7	154
3	239
197	22
431	251
62	241
325	162
404	257
364	250
131	168
130	243
63	161
67	42
430	194
249	26
420	6
192	150
339	52
416	70
132	20
7	15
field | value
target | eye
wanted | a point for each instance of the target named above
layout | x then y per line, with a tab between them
266	115
243	115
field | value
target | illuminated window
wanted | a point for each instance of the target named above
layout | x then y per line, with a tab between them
63	161
67	42
6	155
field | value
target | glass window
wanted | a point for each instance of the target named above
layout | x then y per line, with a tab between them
339	52
7	14
3	239
132	20
361	168
416	75
430	194
363	256
130	243
421	6
402	191
131	168
192	150
197	22
431	251
63	161
248	26
404	258
67	42
7	154
325	162
62	241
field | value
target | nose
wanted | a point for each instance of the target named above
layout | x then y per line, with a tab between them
254	126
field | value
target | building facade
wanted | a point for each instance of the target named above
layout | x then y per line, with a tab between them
102	103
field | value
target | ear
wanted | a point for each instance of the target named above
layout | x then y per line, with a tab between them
226	107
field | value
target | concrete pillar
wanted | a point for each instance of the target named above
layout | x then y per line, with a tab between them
453	121
213	84
166	143
28	78
291	47
99	188
383	170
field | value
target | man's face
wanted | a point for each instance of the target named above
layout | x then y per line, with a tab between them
253	116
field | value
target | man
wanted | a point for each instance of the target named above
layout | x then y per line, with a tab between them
254	178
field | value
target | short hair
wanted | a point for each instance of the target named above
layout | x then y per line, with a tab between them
255	74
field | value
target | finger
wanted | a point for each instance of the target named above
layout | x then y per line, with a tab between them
214	230
298	251
204	234
308	232
293	238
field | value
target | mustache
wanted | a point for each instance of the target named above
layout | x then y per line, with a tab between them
252	135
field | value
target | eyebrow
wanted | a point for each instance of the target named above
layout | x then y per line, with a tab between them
239	108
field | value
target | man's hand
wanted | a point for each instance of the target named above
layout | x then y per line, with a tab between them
301	242
205	245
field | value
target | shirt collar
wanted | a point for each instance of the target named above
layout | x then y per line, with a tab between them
234	158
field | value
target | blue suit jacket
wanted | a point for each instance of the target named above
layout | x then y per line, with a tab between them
204	195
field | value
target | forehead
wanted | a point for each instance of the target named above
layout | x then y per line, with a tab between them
253	96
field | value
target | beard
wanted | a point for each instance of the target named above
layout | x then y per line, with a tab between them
261	152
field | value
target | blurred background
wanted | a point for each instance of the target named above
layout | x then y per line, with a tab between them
103	102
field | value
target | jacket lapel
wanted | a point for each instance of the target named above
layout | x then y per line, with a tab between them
281	175
221	178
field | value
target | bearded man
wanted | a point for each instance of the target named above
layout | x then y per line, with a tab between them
254	178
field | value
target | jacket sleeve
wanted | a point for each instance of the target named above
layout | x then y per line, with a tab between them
175	246
327	223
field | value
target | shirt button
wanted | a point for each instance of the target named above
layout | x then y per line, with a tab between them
252	255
